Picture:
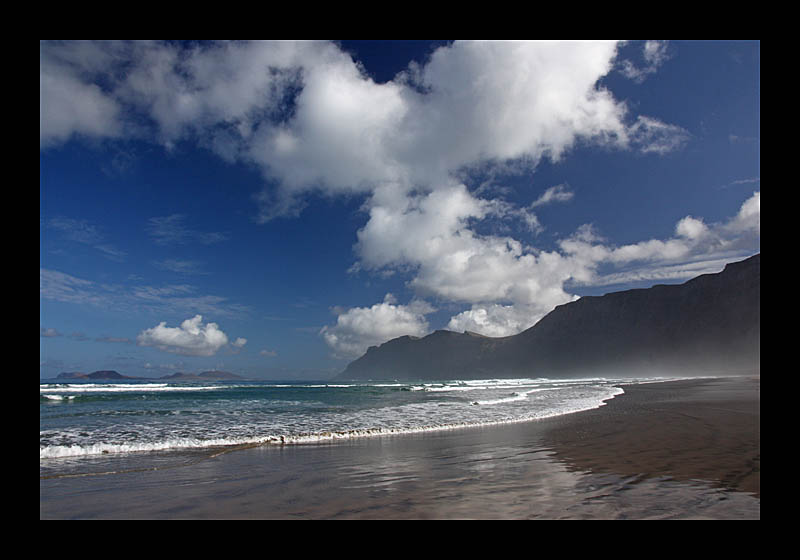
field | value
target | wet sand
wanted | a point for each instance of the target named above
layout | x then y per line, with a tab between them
688	430
682	450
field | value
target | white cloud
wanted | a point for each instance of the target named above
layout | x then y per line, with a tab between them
192	338
310	118
558	193
654	53
313	122
748	220
691	228
498	320
512	290
650	135
697	246
504	100
69	104
361	327
430	234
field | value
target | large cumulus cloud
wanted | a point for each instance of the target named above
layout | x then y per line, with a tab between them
313	121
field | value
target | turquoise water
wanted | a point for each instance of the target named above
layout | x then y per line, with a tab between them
81	420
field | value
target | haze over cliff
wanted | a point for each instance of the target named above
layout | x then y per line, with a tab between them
710	324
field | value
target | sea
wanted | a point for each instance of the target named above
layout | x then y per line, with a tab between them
128	423
341	450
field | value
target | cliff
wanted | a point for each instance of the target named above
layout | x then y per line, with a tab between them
710	324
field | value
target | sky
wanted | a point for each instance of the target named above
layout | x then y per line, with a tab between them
274	208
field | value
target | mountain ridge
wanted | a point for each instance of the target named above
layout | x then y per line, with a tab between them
107	375
710	323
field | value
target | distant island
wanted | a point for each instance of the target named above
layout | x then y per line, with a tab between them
709	324
110	375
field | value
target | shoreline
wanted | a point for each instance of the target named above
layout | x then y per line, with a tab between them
678	449
699	429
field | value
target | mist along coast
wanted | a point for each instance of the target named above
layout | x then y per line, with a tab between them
574	418
686	449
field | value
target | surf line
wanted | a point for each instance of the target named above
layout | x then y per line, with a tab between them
223	451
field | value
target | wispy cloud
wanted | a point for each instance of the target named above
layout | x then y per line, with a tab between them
654	54
695	248
85	233
58	286
180	266
114	339
79	336
558	193
655	137
750	181
175	298
736	139
746	181
665	272
171	230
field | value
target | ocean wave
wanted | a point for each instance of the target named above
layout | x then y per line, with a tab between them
516	396
322	435
57	398
65	451
268	415
124	388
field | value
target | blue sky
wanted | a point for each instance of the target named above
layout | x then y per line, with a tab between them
274	208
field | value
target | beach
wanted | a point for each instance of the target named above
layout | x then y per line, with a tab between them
688	430
672	450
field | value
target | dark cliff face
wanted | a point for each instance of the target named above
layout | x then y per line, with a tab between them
711	323
440	355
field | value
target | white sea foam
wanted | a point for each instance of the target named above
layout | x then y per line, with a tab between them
58	397
516	396
123	388
310	386
276	414
301	428
573	407
447	389
475	385
62	451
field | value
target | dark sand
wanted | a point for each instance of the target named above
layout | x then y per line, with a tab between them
678	450
690	430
